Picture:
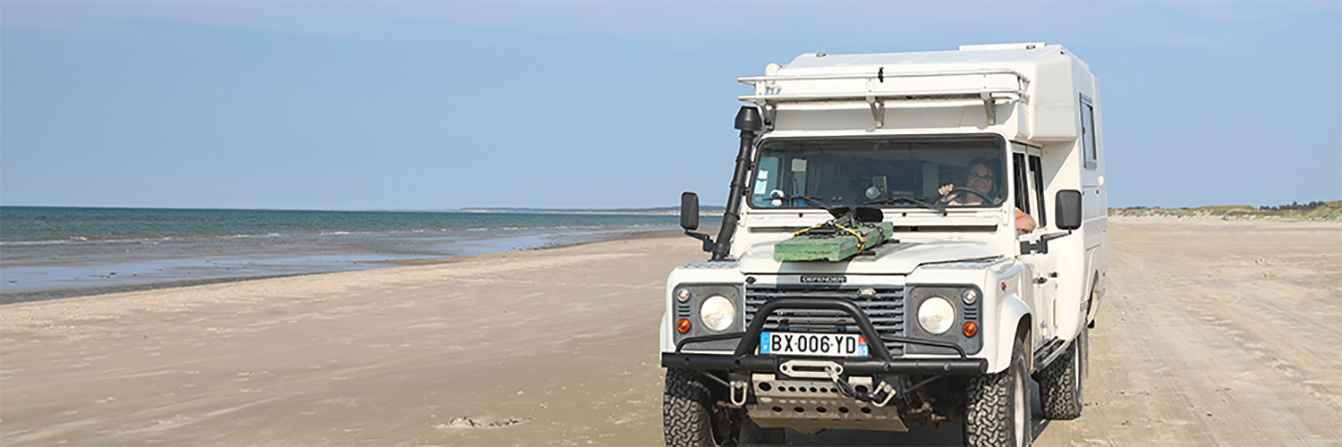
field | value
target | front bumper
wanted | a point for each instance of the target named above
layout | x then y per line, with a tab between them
744	359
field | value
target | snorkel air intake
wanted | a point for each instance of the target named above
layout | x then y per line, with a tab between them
749	123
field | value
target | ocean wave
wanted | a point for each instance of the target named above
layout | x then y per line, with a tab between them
249	236
26	243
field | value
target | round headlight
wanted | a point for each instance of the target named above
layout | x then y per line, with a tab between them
718	313
936	314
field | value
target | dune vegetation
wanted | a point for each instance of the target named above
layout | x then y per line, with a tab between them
1318	210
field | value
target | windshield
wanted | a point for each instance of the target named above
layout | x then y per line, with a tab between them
886	172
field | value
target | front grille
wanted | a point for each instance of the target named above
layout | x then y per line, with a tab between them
682	309
885	310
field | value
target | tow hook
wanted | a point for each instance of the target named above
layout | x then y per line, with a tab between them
744	388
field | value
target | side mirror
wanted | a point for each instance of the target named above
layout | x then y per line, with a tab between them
689	211
1067	206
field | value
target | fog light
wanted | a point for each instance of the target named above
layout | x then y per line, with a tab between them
683	325
971	329
717	313
936	315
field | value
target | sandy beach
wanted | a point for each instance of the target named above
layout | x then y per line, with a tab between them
1213	333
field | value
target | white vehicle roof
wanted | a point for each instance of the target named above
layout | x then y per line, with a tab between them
1029	88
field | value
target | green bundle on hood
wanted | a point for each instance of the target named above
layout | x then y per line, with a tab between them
833	241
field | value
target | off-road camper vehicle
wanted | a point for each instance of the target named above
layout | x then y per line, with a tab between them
908	236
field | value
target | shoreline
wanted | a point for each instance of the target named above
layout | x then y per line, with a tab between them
621	236
8	299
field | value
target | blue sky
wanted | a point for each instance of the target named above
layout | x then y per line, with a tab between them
433	105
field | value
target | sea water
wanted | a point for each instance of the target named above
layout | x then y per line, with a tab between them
53	252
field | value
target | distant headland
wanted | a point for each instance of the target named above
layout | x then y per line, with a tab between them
655	211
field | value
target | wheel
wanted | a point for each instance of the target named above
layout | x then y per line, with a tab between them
1061	383
690	417
997	411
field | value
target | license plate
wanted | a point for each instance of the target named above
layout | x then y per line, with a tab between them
825	345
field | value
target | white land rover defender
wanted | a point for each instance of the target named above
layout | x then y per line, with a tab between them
907	237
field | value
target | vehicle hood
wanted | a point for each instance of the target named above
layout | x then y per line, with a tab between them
889	258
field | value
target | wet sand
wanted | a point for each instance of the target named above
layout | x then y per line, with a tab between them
1213	333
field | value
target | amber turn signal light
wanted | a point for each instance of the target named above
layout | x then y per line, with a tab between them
971	329
683	325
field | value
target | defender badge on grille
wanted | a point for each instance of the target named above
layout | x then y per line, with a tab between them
823	279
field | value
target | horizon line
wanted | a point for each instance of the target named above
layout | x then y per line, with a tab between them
463	209
523	209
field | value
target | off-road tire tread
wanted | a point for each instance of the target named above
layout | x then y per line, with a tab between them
1058	383
685	410
988	412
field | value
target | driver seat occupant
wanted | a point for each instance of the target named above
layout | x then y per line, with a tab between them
980	178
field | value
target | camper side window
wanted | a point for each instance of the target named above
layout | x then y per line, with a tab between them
1088	132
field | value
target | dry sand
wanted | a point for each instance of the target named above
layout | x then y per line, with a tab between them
1213	333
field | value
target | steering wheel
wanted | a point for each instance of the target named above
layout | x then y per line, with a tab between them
959	189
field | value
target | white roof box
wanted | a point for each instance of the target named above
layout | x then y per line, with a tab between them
1029	89
1003	46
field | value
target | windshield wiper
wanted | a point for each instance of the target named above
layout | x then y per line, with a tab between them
813	200
906	199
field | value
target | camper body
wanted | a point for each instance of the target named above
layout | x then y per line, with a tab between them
942	320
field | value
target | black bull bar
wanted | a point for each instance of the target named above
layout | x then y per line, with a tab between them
879	361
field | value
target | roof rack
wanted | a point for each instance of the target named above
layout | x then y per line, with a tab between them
987	85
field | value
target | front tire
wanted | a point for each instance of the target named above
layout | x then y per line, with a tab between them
997	412
1061	383
689	416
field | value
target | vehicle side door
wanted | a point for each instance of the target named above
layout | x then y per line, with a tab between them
1028	196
